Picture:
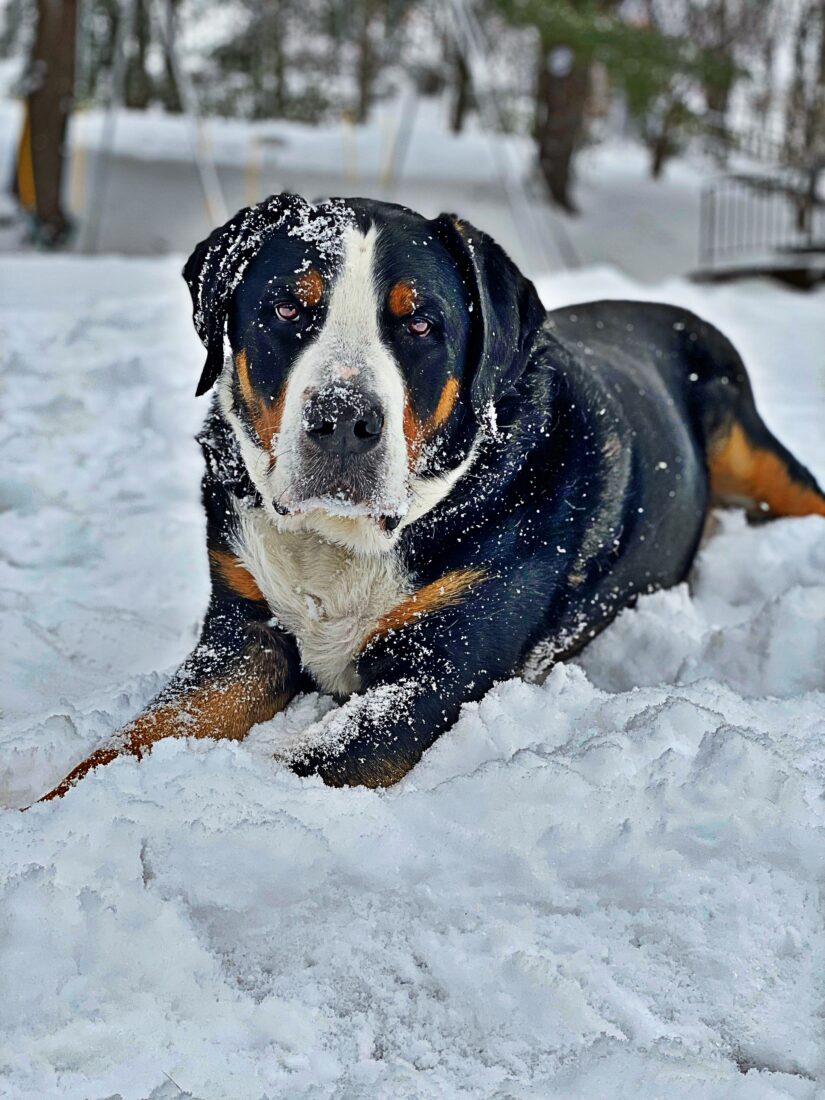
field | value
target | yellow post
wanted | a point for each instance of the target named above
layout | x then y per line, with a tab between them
77	168
252	171
26	192
350	147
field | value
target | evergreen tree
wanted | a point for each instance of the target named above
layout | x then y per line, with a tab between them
659	74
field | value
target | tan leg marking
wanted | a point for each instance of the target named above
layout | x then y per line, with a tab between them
448	591
236	575
221	710
741	472
265	416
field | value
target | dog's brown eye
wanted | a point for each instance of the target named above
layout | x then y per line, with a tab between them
286	311
420	327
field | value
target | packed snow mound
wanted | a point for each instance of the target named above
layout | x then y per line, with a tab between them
606	885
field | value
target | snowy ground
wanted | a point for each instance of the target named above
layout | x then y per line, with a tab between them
603	887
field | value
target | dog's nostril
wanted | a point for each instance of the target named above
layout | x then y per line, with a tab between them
326	427
369	428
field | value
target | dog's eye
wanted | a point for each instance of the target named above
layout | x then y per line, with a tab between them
420	326
286	311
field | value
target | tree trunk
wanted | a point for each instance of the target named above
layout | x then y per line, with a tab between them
280	71
461	93
816	128
168	89
795	112
659	152
49	104
717	92
367	66
561	98
138	82
661	144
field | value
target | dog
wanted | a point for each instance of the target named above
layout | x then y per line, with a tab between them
419	482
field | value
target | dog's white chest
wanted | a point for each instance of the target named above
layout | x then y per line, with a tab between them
326	596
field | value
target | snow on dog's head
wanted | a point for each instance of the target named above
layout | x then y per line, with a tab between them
363	356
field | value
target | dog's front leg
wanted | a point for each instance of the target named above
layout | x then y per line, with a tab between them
417	671
242	671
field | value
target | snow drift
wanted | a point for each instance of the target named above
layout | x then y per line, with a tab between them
602	886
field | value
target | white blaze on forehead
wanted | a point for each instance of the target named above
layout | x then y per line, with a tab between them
352	317
349	348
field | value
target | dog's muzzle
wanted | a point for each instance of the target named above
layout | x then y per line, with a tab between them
343	422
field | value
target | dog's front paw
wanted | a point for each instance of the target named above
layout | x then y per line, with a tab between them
368	742
361	764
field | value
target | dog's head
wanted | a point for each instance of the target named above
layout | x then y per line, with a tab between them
367	349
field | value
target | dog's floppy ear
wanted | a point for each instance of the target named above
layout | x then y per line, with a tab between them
215	268
509	311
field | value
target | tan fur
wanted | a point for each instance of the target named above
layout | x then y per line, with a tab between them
417	432
309	288
227	709
740	472
236	575
265	416
448	591
445	406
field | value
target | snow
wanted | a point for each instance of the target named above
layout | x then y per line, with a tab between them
335	148
606	885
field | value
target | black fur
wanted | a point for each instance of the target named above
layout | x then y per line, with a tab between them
507	303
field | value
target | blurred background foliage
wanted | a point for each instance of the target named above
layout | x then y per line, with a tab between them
731	73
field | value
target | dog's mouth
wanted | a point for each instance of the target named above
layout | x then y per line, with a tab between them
342	501
335	477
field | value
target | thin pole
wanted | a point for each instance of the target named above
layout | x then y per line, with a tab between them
469	41
117	84
210	182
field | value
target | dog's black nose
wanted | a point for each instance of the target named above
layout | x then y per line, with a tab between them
343	421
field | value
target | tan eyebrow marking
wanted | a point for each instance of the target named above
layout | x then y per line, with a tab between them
309	287
402	299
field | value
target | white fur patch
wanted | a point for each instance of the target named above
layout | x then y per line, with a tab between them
328	597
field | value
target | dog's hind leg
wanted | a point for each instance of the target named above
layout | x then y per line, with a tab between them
749	466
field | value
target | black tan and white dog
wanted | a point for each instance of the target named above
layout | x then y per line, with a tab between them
418	482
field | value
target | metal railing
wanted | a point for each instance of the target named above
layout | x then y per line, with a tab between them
753	217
